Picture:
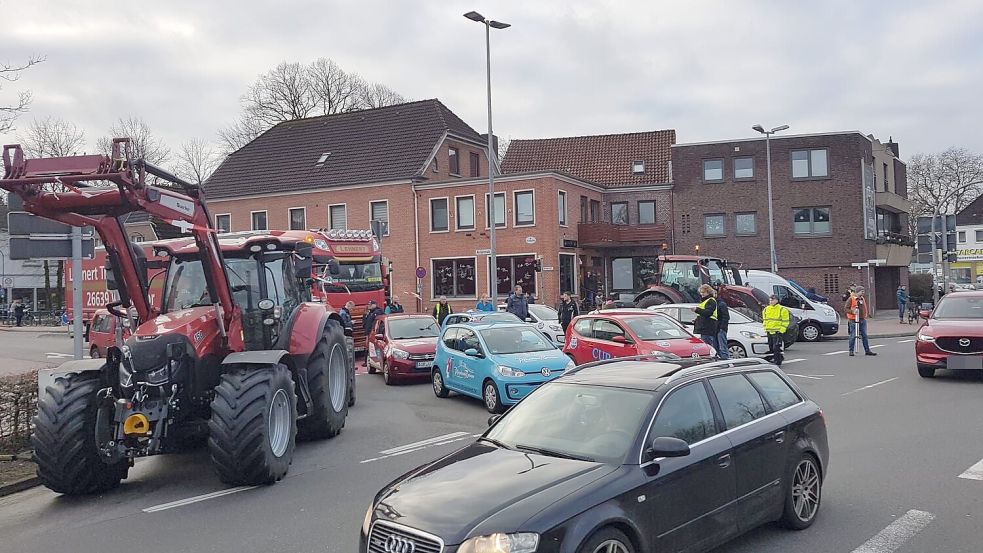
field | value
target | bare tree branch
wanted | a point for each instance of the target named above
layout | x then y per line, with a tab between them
334	90
240	132
11	73
196	160
946	182
52	137
282	94
146	145
377	95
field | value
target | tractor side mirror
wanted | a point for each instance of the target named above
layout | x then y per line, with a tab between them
111	283
303	260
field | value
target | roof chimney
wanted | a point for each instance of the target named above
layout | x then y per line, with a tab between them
893	146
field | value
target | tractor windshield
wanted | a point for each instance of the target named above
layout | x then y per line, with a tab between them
186	285
683	276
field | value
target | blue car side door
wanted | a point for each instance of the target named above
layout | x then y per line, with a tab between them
468	369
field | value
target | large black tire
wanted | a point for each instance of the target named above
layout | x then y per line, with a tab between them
327	417
601	541
652	299
245	442
64	439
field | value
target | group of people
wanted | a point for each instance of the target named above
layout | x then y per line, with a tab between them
713	321
372	312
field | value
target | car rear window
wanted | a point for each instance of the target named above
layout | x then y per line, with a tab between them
739	400
776	391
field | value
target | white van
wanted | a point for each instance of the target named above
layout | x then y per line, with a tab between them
817	319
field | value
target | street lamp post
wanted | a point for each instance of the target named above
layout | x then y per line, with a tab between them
771	213
492	219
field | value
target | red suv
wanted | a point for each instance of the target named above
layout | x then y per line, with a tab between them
622	333
403	347
952	337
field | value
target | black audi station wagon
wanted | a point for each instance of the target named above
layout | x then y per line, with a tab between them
630	455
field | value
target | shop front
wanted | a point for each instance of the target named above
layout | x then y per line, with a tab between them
968	267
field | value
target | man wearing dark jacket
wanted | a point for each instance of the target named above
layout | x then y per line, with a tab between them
346	315
517	304
706	317
568	310
723	321
368	320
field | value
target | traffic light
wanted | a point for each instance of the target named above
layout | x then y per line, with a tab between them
952	257
539	265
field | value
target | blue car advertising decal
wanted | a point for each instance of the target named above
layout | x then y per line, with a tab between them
600	354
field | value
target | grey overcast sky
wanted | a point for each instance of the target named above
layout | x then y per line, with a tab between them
908	69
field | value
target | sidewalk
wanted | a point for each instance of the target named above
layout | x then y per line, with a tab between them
35	329
884	325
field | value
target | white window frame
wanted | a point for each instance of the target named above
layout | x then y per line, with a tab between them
474	213
978	237
430	216
252	223
576	275
289	209
498	255
563	217
387	213
811	174
738	232
812	222
477	286
627	205
723	170
490	211
638	167
515	208
961	237
330	222
655	211
734	167
229	215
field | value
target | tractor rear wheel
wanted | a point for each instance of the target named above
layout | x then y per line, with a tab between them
253	427
652	299
328	374
64	438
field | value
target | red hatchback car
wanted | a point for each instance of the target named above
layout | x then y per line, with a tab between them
402	347
622	333
952	337
102	333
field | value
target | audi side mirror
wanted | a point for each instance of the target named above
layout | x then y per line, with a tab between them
664	446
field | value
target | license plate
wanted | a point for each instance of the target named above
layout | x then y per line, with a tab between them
965	362
423	364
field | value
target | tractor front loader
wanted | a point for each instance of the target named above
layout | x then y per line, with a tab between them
237	353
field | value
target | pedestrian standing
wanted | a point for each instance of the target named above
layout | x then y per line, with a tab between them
590	284
902	302
441	310
518	304
723	322
372	312
19	312
775	318
394	306
706	317
856	314
568	310
485	304
346	315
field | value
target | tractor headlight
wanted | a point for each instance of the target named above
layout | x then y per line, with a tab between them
399	354
525	542
509	371
751	335
160	376
125	376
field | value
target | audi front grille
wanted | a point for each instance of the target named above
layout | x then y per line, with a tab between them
387	537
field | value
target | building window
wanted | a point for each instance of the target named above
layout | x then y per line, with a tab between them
561	204
684	224
646	212
808	164
453	163
961	236
584	213
595	211
619	213
136	237
438	215
812	221
621	275
713	225
223	222
379	211
499	211
885	177
258	220
338	217
568	276
454	278
475	164
516	270
298	218
979	236
713	170
745	224
525	208
637	167
465	212
831	284
743	168
434	165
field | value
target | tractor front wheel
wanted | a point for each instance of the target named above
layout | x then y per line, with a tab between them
253	427
328	374
652	299
64	439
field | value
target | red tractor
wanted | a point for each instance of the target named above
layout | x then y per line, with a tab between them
237	352
677	279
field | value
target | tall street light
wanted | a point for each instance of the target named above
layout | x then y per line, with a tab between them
492	215
771	212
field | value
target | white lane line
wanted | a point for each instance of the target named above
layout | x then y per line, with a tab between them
787	361
905	341
428	441
897	533
805	376
974	472
877	346
836	352
871	386
196	499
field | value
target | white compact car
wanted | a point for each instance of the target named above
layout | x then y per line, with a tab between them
745	338
546	319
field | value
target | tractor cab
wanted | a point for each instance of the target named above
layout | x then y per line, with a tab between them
686	275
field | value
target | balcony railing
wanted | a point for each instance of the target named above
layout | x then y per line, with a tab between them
612	236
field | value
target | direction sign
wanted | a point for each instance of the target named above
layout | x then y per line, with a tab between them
485	251
23	247
421	272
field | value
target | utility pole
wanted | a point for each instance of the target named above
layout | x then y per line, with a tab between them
77	289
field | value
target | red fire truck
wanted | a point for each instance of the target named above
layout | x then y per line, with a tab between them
362	275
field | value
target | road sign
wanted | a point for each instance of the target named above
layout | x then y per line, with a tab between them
484	251
8	282
421	272
34	247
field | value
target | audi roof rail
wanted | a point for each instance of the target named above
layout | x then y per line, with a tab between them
715	365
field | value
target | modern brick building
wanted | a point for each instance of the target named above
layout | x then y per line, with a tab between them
968	267
839	199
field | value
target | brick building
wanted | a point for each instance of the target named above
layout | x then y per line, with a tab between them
839	199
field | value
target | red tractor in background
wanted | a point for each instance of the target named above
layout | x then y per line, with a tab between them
677	279
237	352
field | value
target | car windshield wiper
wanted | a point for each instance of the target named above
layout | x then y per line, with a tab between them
554	453
493	441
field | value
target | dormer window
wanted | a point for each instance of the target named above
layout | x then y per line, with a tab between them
637	167
324	157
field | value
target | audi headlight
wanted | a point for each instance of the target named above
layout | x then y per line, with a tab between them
525	542
925	338
509	371
400	354
751	335
367	521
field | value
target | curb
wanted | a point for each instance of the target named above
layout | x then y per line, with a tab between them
19	485
873	336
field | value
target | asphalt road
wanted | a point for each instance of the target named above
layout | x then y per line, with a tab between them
899	444
25	351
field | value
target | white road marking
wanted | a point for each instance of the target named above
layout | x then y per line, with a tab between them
836	352
877	346
787	361
428	441
196	499
897	533
805	376
905	341
870	386
53	355
974	472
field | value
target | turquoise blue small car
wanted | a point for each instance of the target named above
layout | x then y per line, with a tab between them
499	363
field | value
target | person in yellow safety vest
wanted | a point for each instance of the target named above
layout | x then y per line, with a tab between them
706	325
442	310
775	318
